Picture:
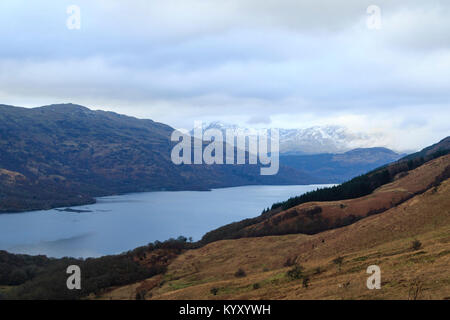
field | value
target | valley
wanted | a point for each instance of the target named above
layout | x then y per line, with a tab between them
402	227
225	159
67	155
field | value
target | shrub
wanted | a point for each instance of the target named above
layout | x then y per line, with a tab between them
338	261
140	295
305	282
290	262
240	273
295	273
214	291
415	289
18	276
416	245
318	270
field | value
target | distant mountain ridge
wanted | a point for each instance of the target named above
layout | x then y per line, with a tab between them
313	140
337	168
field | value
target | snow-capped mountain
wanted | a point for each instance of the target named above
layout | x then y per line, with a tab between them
313	140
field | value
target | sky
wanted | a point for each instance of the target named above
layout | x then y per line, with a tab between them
272	63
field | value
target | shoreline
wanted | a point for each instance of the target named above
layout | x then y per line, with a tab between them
93	199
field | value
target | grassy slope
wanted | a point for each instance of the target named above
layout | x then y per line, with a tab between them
383	239
383	198
326	209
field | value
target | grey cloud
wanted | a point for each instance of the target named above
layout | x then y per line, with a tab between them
261	119
239	59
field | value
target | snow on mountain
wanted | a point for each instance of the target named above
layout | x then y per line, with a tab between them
313	140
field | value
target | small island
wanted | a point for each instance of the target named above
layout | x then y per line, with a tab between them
73	210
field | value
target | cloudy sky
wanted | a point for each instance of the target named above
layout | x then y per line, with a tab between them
279	63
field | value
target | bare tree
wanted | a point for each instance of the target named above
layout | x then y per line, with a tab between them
415	289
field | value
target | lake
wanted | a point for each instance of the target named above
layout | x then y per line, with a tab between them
120	223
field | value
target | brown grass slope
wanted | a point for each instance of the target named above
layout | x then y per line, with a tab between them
384	240
303	214
337	213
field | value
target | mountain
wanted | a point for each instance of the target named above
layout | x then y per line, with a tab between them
322	152
66	154
313	140
337	168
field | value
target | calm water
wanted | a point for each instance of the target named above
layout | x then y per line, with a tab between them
120	223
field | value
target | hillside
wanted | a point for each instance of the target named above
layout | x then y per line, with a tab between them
441	146
291	217
384	239
63	155
312	217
